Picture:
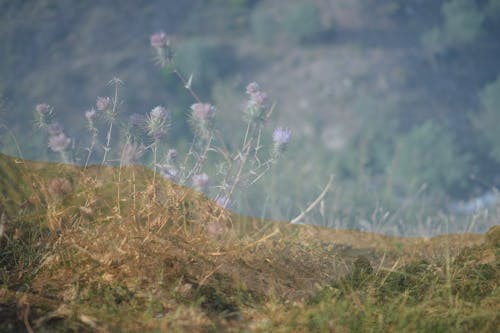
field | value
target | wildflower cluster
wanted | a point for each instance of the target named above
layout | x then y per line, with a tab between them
144	137
58	141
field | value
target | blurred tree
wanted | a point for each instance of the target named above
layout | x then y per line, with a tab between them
427	155
462	24
301	21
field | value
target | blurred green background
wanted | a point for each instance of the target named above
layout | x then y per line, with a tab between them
400	100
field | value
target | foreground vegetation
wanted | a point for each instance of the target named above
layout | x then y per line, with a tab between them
111	249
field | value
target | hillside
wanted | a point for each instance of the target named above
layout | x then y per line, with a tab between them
118	249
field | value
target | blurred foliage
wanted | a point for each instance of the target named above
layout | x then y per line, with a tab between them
223	44
462	25
264	25
297	22
371	147
427	155
207	60
301	21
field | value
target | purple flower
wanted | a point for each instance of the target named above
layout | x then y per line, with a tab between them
258	99
59	142
252	88
200	181
103	103
282	136
169	173
55	129
159	40
203	111
43	108
136	119
223	201
159	113
90	115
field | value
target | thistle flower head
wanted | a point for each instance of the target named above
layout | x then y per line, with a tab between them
90	115
44	115
157	122
103	103
252	88
258	99
159	113
43	109
200	181
59	142
203	111
159	40
282	136
169	172
256	103
223	201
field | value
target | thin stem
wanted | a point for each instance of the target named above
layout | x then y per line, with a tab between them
155	156
186	85
112	118
314	203
15	140
91	148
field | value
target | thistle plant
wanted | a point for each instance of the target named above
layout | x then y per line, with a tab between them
143	137
109	107
157	126
91	116
44	115
57	140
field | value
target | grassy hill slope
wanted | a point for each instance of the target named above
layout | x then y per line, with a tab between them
108	249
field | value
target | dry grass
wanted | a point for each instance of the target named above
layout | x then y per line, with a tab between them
102	249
